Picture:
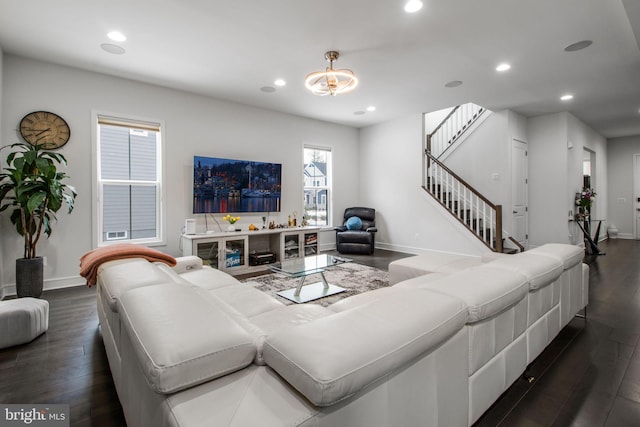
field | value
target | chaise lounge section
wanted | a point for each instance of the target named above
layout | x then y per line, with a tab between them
191	346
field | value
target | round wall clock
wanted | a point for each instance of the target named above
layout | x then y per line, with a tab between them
45	128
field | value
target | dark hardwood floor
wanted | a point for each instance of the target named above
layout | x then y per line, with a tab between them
588	376
67	364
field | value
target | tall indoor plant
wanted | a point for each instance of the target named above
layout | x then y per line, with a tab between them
33	189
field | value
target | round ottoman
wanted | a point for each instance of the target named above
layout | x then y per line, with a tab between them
22	319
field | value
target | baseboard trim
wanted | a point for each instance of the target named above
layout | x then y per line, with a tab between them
415	251
398	248
327	247
626	236
48	285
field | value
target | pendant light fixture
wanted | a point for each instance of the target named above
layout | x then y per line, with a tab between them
331	82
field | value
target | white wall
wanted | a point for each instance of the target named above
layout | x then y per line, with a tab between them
518	126
2	163
620	158
408	219
548	201
195	125
556	144
483	153
583	137
433	119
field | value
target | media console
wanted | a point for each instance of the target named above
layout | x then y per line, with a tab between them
230	251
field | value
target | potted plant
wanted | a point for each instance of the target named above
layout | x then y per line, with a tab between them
33	189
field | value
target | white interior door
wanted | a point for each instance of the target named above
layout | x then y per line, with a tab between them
519	192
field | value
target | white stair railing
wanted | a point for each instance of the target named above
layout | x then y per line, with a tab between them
453	127
476	212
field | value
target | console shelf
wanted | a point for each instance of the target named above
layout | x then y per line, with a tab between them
229	251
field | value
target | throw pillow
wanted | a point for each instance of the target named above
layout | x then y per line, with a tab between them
354	223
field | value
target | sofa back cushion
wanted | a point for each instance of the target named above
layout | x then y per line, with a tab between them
334	357
540	270
180	339
487	291
569	255
117	277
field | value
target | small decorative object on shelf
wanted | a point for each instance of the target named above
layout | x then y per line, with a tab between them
232	220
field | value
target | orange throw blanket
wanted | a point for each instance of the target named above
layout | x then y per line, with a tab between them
90	261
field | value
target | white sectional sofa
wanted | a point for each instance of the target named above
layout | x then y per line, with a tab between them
192	346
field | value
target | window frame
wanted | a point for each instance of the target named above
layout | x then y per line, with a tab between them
329	181
98	183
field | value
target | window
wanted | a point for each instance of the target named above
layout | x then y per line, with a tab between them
317	185
129	178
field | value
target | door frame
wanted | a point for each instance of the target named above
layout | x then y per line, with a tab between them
635	195
520	142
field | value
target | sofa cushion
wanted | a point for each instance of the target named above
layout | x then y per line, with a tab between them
569	255
487	291
433	262
117	277
417	281
367	297
253	397
179	340
540	270
281	318
204	277
354	236
246	299
334	357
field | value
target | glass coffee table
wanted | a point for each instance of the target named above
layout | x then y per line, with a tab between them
303	267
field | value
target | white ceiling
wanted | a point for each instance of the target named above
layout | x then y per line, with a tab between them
230	49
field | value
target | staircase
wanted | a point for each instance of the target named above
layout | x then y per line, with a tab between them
454	125
477	213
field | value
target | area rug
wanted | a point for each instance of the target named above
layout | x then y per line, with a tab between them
355	278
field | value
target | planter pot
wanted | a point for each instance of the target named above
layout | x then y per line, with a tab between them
29	277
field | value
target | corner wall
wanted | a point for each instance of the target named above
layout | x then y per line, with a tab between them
583	137
195	125
621	201
556	143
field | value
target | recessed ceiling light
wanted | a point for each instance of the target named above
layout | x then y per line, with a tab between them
112	48
358	113
268	89
503	67
453	83
116	36
578	45
371	108
412	6
566	97
280	82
